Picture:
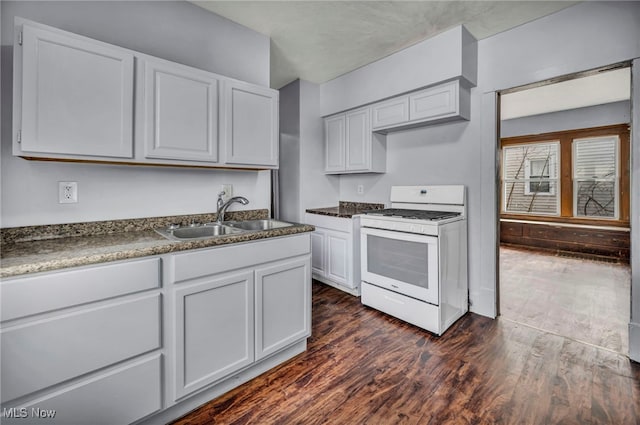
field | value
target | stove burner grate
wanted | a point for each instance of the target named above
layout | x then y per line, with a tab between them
413	214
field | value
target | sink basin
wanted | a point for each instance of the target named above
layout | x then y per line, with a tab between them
198	232
254	225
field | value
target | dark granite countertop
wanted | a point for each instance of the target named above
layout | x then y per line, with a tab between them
44	248
346	209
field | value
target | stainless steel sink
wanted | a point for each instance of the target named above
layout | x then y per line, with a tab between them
199	232
256	225
212	230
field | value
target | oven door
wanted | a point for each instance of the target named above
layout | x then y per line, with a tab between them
406	263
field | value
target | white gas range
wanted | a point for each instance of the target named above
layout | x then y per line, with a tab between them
414	256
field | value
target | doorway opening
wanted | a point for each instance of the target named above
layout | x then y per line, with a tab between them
564	206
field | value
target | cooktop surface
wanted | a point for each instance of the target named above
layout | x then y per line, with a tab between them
413	214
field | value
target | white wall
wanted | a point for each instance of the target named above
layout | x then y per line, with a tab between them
591	116
303	183
316	188
177	31
445	56
585	36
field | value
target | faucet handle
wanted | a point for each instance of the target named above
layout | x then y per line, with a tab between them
221	193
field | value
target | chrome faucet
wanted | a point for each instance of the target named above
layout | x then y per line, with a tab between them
222	205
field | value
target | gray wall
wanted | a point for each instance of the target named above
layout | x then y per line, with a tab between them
582	37
177	31
303	183
592	116
289	174
420	65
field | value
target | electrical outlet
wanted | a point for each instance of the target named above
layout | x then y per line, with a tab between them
360	189
228	191
67	192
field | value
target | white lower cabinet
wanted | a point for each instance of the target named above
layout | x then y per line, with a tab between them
283	305
70	348
214	330
108	344
335	251
237	311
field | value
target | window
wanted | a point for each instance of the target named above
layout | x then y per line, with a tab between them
595	177
577	176
538	173
530	178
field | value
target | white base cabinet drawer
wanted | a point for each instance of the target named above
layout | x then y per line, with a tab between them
57	290
116	397
53	350
190	265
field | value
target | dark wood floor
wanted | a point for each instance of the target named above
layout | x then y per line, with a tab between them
363	367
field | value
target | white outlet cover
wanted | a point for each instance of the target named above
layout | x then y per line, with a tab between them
228	191
67	192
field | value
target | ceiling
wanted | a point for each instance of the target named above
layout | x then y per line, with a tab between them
320	40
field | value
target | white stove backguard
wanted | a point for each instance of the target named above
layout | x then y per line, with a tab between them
430	198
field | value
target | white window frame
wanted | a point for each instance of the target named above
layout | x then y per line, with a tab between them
616	179
528	180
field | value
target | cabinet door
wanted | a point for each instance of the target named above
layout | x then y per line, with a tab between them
434	102
214	330
334	143
77	96
358	140
283	305
251	124
391	112
339	258
318	248
181	112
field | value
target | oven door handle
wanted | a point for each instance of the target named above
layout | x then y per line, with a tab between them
402	236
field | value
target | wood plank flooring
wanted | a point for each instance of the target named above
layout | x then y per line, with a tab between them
582	299
364	367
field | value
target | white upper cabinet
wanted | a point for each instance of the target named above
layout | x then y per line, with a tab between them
441	103
434	102
76	99
390	112
250	131
334	137
350	146
180	112
74	96
358	140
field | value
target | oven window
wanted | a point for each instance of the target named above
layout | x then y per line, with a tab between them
403	261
